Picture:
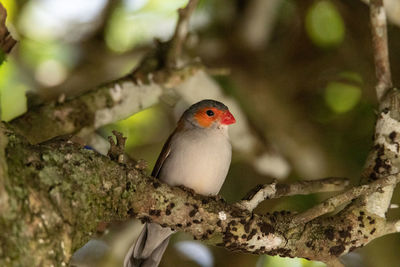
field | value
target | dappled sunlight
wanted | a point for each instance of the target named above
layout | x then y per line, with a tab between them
298	76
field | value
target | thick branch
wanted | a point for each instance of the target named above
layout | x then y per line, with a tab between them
383	159
59	191
108	103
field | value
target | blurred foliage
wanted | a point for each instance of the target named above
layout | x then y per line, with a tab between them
342	97
54	49
297	203
324	24
275	261
50	60
11	7
2	57
137	22
141	128
34	52
63	20
12	102
196	252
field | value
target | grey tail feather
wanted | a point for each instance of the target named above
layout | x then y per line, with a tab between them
149	247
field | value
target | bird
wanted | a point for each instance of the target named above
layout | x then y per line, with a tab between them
197	155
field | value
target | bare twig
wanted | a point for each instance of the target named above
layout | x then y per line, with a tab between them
180	33
274	190
332	203
116	151
6	40
380	45
257	195
392	227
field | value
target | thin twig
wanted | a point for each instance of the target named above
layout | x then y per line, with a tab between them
7	42
392	227
332	203
274	190
180	33
116	151
380	46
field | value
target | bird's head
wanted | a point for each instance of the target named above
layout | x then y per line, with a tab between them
207	114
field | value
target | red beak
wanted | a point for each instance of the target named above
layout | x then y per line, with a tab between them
227	118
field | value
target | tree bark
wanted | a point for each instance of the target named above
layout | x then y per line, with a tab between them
53	194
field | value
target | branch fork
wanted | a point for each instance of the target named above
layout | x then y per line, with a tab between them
275	190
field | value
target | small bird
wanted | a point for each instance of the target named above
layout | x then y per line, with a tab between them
197	155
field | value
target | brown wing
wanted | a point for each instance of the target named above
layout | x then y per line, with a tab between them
162	157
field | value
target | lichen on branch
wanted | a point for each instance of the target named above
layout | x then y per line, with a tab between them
59	191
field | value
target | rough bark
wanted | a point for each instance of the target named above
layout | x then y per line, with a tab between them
103	105
54	194
59	192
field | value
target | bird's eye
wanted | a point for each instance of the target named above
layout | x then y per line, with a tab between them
210	113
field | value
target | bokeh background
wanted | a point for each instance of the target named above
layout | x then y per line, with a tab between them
302	72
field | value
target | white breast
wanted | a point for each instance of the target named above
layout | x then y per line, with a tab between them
199	159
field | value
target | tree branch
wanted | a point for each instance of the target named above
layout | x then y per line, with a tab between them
59	191
181	31
7	42
380	45
106	104
332	203
274	190
382	160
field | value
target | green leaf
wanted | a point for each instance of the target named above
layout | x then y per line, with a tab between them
324	25
127	29
273	261
341	97
13	101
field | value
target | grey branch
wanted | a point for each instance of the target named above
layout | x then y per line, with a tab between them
60	191
332	203
382	160
180	34
274	190
380	45
105	104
